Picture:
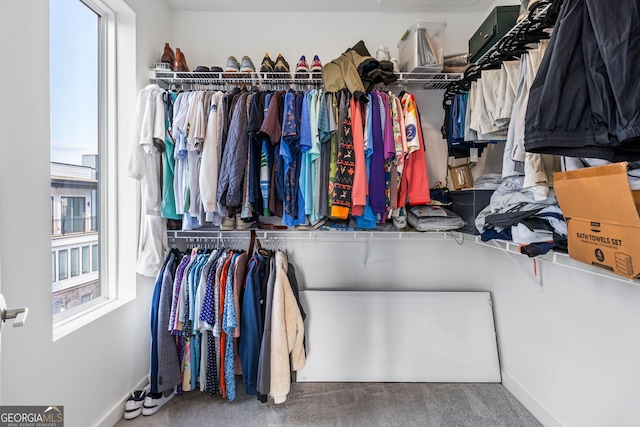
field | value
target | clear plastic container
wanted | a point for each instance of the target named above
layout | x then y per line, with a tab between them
421	47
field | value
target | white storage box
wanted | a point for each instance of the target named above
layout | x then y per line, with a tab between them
421	48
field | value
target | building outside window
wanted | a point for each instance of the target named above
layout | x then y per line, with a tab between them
72	209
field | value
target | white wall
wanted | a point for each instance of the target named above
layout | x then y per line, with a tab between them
209	38
570	347
89	371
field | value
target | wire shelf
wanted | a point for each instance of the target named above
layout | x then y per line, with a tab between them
168	78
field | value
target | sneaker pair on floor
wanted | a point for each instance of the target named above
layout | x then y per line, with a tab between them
141	402
245	66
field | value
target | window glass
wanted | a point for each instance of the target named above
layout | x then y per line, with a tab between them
63	263
76	138
94	258
75	262
53	266
86	259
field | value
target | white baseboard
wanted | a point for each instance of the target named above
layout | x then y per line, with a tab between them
529	402
113	416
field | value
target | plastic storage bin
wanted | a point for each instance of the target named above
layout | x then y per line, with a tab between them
421	48
468	204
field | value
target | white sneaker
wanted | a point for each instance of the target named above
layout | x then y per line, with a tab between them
242	225
228	223
133	405
153	405
399	217
396	67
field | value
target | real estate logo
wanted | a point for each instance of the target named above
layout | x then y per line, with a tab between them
31	416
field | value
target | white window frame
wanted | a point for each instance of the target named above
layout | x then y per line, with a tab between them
115	292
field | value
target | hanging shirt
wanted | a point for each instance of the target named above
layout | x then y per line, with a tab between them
314	154
168	207
345	163
377	178
210	157
145	165
229	323
305	181
360	187
414	184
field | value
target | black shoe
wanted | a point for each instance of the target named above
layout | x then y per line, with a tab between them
267	66
282	67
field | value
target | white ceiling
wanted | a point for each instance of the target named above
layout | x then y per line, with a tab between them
329	5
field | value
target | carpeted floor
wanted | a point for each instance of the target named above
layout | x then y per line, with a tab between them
350	404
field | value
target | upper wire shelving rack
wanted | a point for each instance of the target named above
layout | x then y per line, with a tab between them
194	80
493	52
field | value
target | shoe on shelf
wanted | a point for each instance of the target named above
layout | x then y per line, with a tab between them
302	69
232	65
152	404
133	405
228	223
267	64
283	60
168	56
316	65
243	225
396	67
246	65
180	63
282	67
399	217
382	54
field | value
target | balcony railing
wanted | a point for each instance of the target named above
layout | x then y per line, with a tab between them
62	227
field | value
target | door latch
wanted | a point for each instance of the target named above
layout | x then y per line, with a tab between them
18	315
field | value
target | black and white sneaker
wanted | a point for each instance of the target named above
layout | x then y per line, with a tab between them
153	403
133	405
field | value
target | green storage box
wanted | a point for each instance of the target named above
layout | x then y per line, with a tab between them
497	24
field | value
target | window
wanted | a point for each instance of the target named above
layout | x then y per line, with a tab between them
77	118
94	258
86	259
63	265
75	262
53	267
72	209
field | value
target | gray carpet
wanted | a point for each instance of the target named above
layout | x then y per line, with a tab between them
350	404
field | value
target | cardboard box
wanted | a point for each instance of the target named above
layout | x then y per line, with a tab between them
602	217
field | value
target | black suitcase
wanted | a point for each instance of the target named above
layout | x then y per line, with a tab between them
497	24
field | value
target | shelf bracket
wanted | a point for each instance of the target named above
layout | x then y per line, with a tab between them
536	272
367	250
